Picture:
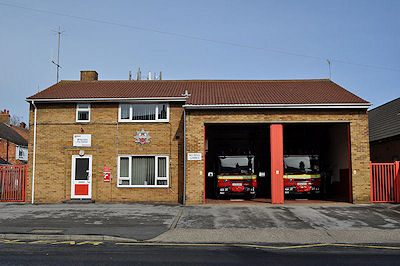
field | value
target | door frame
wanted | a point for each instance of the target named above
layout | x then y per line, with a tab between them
89	181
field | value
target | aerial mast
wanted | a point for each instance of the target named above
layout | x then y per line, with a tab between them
59	32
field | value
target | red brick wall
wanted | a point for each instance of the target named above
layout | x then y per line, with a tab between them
11	152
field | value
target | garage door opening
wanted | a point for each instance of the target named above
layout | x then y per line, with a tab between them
317	161
237	149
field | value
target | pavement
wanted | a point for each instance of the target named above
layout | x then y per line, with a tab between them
236	223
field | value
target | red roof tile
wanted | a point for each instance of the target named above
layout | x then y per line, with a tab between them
208	92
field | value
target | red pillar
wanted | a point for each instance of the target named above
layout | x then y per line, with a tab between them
276	137
397	181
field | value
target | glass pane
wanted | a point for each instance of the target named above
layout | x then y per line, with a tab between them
81	168
143	172
162	182
83	106
162	167
125	111
124	182
144	112
124	167
162	111
83	115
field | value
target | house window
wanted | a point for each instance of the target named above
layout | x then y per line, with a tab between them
83	112
143	112
21	153
142	171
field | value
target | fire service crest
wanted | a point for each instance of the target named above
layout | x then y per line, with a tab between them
142	137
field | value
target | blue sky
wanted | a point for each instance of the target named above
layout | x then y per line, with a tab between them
109	41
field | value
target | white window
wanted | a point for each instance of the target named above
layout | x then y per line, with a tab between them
83	112
143	171
143	112
21	153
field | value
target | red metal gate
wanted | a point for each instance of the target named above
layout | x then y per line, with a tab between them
13	183
385	183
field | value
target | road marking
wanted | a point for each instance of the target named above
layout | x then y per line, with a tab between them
366	246
257	246
64	242
40	242
16	241
97	243
89	242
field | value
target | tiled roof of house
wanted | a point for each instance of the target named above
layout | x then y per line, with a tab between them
8	133
207	92
384	120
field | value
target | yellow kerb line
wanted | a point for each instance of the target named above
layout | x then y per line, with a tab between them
257	246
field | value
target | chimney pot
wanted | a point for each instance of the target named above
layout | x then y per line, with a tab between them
5	117
89	75
22	125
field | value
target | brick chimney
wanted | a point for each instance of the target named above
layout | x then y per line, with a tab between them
89	75
22	125
5	117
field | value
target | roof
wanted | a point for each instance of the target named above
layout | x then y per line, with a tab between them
8	133
384	120
4	162
205	92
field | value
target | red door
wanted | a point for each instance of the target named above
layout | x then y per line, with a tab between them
276	138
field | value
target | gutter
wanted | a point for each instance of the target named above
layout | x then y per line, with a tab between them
272	106
147	99
34	153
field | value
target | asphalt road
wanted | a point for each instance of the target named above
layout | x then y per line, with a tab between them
171	254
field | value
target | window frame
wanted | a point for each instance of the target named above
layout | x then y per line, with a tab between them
130	120
156	177
83	109
17	151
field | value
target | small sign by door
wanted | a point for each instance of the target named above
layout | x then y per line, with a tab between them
106	175
81	177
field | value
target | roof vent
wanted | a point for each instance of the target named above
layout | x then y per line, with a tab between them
89	75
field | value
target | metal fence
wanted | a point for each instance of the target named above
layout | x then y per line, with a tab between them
13	183
385	183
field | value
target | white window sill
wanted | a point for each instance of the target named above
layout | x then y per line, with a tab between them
143	121
142	186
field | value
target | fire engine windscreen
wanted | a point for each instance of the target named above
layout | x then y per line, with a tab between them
236	164
300	164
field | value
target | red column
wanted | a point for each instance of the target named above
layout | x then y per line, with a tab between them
276	137
397	181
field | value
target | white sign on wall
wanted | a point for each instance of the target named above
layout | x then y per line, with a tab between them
194	156
82	140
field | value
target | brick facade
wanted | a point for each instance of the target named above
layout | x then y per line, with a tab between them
56	126
196	119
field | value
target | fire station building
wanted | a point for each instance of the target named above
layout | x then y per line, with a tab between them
158	140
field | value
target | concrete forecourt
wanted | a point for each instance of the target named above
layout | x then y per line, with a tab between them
127	224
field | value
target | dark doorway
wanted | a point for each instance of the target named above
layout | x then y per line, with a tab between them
238	139
329	143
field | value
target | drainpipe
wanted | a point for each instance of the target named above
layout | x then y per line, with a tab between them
184	156
34	153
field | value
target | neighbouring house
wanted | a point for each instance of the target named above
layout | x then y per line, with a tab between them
157	140
4	162
384	132
13	140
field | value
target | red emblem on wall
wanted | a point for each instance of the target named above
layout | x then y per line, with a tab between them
142	137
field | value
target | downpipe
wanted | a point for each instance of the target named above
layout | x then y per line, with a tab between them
34	153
